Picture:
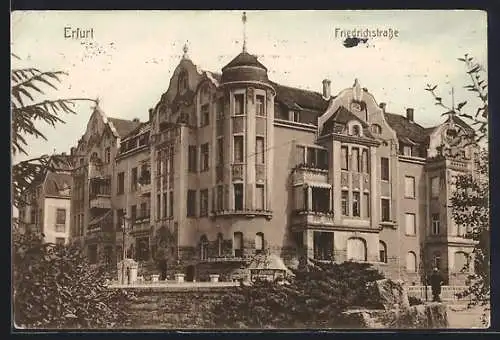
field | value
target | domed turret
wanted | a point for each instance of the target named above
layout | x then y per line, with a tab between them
245	67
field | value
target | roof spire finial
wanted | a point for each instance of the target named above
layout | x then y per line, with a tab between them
244	20
185	49
453	99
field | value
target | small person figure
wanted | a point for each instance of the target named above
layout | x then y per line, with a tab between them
436	282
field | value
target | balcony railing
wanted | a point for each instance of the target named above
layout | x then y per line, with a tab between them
237	171
310	217
100	201
245	212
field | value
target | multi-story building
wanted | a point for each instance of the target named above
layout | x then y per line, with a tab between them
95	165
239	165
46	205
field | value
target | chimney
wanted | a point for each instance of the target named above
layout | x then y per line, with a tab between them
150	114
409	114
326	89
382	106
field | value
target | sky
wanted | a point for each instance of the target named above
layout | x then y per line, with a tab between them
128	62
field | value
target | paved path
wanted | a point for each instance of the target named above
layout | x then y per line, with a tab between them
459	316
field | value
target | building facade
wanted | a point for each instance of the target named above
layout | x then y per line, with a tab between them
46	206
232	164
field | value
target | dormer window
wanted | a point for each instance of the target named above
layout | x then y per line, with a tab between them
377	129
356	130
294	116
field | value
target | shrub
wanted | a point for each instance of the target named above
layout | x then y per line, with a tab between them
55	287
315	298
414	301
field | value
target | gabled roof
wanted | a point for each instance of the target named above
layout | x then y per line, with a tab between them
296	99
337	122
143	127
457	120
244	59
123	126
57	183
404	128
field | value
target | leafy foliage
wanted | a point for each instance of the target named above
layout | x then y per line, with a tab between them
27	109
478	119
55	287
316	297
414	300
470	207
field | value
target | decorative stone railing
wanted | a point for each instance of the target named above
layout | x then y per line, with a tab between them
237	171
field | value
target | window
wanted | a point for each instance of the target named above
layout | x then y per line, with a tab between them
407	150
410	223
192	156
183	82
259	243
133	182
238	149
158	206
295	116
377	129
239	104
436	260
142	246
108	254
238	244
366	205
121	183
165	205
344	158
356	249
322	159
220	151
382	250
92	253
300	154
411	262
364	161
409	187
323	245
344	203
260	107
220	108
204	157
144	210
133	213
171	160
61	216
220	198
60	241
435	186
191	203
386	210
356	130
145	174
259	197
435	224
203	248
259	150
238	196
355	204
107	155
355	159
205	120
171	204
204	202
220	241
384	168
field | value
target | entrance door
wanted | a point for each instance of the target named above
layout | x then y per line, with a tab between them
190	273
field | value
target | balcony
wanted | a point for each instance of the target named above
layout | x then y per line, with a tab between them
307	173
144	185
99	170
313	218
141	225
250	213
100	201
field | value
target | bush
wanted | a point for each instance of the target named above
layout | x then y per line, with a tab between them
414	301
316	297
55	287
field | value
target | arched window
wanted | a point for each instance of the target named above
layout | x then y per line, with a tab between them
356	249
375	128
203	248
411	262
183	82
461	261
238	244
220	239
382	249
436	260
356	130
259	243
